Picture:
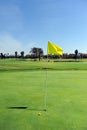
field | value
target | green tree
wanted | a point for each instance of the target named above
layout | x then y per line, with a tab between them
16	54
76	54
37	52
22	54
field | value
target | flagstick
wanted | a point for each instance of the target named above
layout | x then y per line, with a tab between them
52	49
45	86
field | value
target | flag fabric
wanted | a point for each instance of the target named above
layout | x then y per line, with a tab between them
54	49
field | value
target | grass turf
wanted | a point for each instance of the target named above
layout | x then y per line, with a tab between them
66	95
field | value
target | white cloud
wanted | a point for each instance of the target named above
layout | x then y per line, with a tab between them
11	27
9	44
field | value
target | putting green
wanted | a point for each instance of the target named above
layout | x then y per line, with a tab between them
66	95
22	88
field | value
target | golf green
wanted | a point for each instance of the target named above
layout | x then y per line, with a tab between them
24	95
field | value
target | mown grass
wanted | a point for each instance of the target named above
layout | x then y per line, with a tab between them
18	64
66	95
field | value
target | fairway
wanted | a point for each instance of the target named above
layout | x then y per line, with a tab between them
23	85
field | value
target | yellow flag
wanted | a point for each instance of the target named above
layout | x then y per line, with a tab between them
54	49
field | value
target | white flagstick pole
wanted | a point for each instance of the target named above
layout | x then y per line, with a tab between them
45	86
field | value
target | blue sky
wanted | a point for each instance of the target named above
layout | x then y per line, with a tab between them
32	23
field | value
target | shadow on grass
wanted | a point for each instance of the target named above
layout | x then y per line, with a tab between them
24	107
24	69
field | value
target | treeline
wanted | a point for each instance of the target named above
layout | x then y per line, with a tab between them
34	53
38	53
73	56
33	56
